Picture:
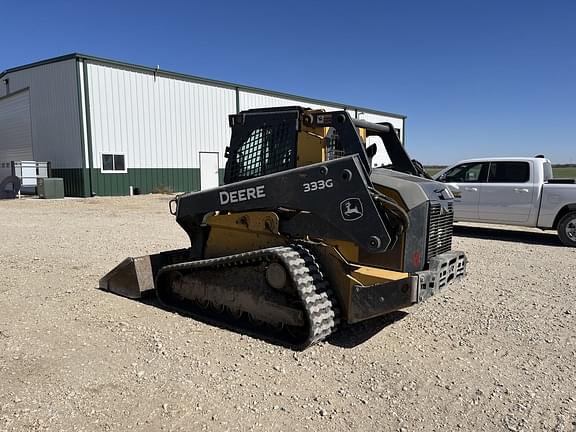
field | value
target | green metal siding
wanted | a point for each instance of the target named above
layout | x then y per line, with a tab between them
75	181
146	180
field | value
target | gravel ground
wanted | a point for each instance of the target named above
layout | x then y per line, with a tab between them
496	351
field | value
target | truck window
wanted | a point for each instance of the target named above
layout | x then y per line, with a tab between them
509	172
548	174
466	173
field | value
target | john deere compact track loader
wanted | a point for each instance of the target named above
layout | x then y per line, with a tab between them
304	233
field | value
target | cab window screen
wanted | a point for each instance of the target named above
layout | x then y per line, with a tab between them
266	150
509	172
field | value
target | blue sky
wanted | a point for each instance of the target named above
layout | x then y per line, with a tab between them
475	78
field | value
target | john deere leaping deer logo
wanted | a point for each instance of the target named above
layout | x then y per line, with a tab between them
351	209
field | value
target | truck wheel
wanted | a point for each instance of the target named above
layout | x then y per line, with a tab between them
567	229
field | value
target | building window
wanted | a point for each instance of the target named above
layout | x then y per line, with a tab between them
113	163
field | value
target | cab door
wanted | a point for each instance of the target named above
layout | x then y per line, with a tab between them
466	181
508	195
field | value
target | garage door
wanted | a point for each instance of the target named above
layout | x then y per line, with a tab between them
15	130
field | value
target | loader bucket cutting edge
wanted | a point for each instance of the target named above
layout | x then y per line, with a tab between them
132	278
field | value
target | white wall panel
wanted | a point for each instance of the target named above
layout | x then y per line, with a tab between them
157	122
54	112
250	100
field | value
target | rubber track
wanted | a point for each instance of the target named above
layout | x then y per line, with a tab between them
319	305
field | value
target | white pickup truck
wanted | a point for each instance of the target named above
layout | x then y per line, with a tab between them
513	191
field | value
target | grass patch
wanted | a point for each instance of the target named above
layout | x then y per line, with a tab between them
162	189
432	170
564	172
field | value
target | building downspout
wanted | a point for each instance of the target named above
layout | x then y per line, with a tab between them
88	126
81	115
237	100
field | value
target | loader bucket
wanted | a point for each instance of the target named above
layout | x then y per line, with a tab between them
132	278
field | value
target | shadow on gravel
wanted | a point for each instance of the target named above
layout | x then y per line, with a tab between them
150	300
352	335
347	336
226	322
543	238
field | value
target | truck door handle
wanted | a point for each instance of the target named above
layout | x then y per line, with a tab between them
473	189
521	190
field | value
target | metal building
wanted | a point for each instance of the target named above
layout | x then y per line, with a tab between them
106	125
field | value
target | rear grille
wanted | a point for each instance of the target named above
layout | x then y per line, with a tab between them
440	229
